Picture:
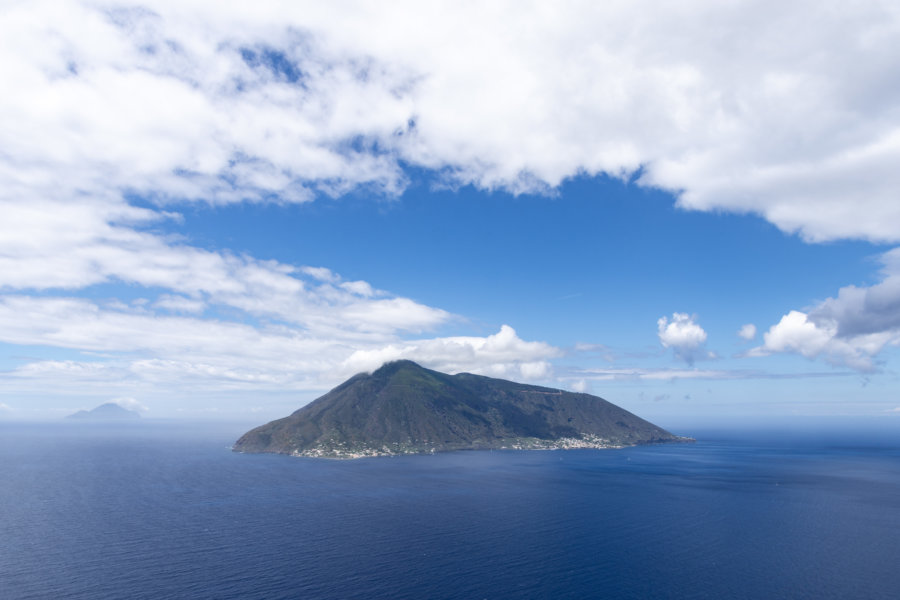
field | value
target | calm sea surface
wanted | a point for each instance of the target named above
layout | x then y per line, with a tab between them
162	511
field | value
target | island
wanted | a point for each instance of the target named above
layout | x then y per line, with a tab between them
403	408
106	412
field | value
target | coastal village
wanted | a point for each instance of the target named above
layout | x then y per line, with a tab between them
340	450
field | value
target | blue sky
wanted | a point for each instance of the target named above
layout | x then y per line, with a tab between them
223	212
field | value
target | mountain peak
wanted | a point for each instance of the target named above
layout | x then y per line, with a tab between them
109	411
391	367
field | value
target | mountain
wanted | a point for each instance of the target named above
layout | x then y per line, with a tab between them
106	412
403	408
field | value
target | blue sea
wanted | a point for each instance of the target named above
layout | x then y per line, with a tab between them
156	510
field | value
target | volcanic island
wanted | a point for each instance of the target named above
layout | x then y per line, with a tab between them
403	408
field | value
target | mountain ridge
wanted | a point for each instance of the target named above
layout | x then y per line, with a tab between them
403	408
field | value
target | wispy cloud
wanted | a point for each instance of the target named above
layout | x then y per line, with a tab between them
60	245
581	377
649	374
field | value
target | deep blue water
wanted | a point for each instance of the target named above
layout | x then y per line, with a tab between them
163	511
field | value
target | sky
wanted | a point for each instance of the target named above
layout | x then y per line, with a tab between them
222	210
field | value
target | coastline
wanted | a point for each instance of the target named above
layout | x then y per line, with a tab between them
587	442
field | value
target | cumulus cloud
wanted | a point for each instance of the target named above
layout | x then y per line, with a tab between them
747	332
859	311
581	385
503	354
740	107
796	332
684	336
801	333
851	329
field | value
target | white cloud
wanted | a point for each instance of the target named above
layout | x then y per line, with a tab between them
180	304
581	385
851	329
320	273
739	107
799	333
644	374
747	332
503	354
795	332
183	103
130	404
686	338
360	288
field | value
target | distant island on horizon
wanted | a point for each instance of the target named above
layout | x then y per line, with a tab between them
106	412
404	408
